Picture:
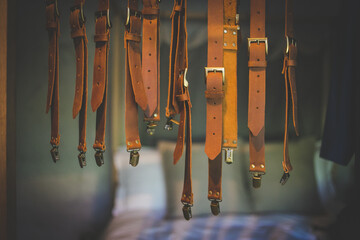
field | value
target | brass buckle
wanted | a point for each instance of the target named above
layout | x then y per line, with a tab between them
215	70
258	41
290	40
82	18
128	14
82	159
104	13
55	153
169	123
134	157
99	157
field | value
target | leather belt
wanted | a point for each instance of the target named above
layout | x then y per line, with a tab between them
258	48
78	33
290	55
100	79
231	37
134	87
215	77
53	27
178	101
151	62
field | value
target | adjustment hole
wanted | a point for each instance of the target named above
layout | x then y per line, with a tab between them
149	70
148	87
215	58
215	42
258	29
213	133
149	38
257	107
214	117
257	91
258	75
149	54
258	59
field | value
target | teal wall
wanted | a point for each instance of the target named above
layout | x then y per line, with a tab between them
55	201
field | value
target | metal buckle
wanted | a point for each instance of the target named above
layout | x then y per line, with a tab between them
256	181
82	159
128	14
99	157
104	13
134	157
229	155
169	123
284	178
215	207
150	128
82	18
55	153
49	2
186	83
289	40
187	211
258	41
215	69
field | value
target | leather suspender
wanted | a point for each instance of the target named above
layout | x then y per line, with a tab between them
290	55
178	101
230	123
215	77
100	79
134	87
53	27
150	62
78	33
258	48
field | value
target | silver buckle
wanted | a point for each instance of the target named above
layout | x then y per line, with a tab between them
215	69
258	41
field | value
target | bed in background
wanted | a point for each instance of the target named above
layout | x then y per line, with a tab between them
147	204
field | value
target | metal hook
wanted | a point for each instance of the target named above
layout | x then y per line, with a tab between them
134	158
215	207
99	157
256	181
229	155
82	159
55	153
187	211
284	178
150	128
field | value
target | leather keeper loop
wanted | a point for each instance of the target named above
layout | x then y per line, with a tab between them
150	11
78	33
51	25
257	64
182	97
214	94
132	37
101	37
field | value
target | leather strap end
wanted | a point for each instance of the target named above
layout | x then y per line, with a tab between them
189	199
211	151
95	101
257	64
82	147
55	141
99	146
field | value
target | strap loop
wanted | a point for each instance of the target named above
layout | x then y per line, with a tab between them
214	94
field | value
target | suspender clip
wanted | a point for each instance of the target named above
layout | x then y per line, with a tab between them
55	153
215	70
169	124
215	207
82	159
289	40
258	41
256	181
99	157
187	211
284	178
229	155
134	157
150	128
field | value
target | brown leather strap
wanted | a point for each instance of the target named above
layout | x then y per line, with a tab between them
151	62
257	44
53	27
290	55
78	33
178	101
215	77
230	123
134	87
100	79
